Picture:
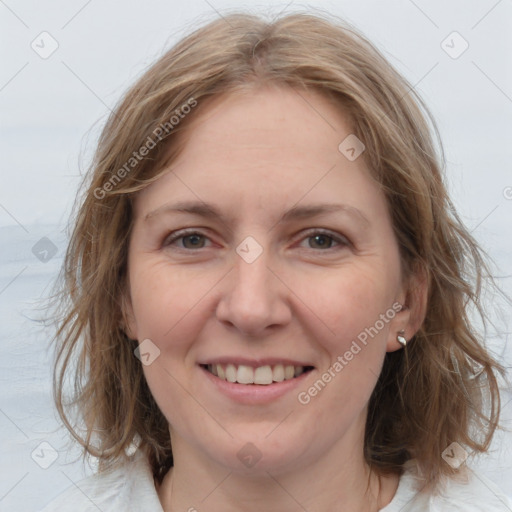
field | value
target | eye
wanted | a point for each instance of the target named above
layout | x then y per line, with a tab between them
189	239
317	239
324	240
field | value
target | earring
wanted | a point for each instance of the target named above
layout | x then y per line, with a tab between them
401	339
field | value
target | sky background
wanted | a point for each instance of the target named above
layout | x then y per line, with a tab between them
52	108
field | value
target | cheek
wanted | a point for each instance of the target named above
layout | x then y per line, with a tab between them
164	296
351	301
355	346
166	303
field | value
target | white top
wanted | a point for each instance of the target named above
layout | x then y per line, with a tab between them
130	487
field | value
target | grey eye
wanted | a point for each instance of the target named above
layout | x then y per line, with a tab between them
196	241
321	241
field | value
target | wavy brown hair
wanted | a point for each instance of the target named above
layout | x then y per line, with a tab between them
441	388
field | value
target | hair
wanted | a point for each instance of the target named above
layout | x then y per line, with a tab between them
441	388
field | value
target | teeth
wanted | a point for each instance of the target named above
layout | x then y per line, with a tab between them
263	375
230	373
289	372
278	373
245	375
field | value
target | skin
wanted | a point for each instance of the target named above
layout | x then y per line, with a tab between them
254	156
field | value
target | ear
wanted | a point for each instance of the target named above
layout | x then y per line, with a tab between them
128	323
413	299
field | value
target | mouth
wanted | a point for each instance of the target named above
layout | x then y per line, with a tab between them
256	376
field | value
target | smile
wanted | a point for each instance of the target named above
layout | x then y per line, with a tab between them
261	375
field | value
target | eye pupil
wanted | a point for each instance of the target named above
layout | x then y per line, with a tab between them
327	240
195	239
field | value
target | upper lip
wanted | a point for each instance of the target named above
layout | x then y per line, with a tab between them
254	363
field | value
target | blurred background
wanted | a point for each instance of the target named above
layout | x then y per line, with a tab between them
65	64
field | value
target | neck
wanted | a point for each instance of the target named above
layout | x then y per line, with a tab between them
338	479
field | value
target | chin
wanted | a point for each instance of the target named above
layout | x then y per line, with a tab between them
259	455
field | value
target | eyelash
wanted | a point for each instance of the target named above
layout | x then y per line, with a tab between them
340	240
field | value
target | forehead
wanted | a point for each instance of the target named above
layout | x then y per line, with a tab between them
273	118
262	147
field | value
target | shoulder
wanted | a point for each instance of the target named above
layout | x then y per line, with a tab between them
473	492
129	486
470	491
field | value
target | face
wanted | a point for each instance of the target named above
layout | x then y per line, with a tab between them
265	257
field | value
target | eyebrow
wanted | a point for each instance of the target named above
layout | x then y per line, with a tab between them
295	213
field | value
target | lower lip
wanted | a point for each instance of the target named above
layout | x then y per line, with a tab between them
255	393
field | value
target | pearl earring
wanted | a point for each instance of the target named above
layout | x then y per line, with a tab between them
401	338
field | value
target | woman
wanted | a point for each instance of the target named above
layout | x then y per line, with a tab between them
267	287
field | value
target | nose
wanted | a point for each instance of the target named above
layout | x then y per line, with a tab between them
254	299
